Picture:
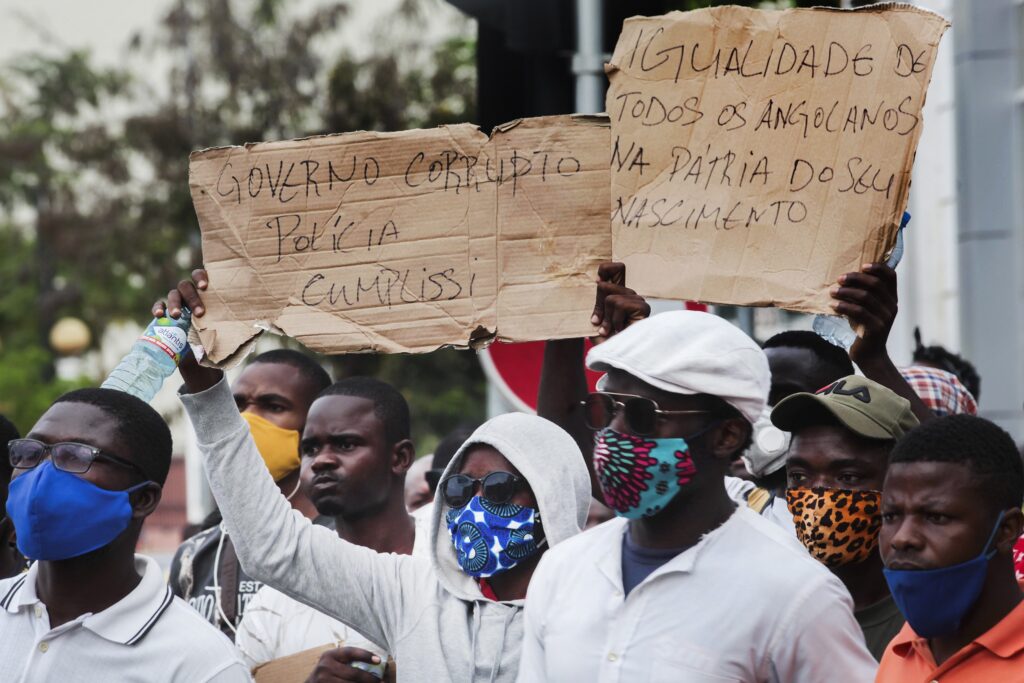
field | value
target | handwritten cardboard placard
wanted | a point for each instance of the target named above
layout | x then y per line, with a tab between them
404	242
758	155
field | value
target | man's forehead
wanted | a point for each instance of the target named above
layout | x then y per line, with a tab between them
337	413
78	422
833	444
924	479
274	378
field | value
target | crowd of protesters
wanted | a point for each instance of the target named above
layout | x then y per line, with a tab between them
715	511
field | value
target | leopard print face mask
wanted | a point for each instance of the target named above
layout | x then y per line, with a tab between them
837	526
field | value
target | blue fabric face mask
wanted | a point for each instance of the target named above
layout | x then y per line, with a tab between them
58	515
640	475
935	601
490	538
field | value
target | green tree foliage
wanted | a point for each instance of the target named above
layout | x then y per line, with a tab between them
60	218
95	213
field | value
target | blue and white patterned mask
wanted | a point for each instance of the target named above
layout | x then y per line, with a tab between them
490	538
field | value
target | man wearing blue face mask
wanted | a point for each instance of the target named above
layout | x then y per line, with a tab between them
89	609
951	512
685	585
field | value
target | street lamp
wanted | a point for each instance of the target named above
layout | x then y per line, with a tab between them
69	336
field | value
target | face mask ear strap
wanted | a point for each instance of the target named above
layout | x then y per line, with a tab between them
294	490
989	552
132	489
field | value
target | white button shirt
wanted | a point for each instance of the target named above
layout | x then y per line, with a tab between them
149	636
747	603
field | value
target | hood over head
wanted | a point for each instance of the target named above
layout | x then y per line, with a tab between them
549	460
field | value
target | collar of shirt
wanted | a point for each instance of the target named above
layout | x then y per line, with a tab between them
610	564
126	621
1004	640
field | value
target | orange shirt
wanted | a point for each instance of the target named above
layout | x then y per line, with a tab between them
996	655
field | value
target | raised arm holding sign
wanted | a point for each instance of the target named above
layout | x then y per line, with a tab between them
757	156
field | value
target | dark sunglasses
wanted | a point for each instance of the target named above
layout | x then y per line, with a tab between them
641	414
497	487
66	455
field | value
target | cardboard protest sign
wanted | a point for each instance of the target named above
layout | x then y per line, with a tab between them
553	226
758	155
401	242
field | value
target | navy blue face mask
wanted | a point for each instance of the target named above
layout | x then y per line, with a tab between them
58	515
935	601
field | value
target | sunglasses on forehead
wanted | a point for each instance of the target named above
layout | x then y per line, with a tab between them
76	458
640	414
497	487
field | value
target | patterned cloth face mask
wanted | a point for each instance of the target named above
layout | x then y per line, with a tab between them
491	538
837	526
639	475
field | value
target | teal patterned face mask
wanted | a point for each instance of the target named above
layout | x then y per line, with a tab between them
640	475
491	538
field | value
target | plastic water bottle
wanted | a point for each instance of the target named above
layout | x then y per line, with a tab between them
153	358
836	329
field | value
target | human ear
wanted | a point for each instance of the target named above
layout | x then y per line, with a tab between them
402	456
1010	529
730	437
145	500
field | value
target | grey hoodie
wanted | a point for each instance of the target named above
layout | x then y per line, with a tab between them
429	614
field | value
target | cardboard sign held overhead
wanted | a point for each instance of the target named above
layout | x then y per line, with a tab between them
758	155
407	241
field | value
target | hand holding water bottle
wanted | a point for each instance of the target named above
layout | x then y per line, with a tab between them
186	296
868	298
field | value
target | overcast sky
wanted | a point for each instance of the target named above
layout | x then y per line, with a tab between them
105	26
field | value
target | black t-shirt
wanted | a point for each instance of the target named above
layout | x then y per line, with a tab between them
880	623
192	579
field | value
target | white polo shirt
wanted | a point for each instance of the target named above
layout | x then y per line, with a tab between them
149	636
747	603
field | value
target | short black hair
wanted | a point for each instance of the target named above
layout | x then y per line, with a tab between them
307	367
145	434
8	432
981	446
945	359
388	403
833	357
450	445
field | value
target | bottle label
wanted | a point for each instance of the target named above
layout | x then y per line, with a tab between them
165	334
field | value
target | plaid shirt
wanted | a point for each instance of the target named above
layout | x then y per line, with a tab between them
941	391
1018	558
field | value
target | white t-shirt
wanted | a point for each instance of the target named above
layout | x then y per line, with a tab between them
149	636
275	625
747	603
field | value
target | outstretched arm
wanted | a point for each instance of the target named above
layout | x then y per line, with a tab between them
275	544
869	299
563	382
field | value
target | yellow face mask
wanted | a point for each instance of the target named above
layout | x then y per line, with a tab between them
279	447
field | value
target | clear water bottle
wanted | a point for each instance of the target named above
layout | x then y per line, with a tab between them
153	358
836	329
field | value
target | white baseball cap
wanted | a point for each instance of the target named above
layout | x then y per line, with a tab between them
690	352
